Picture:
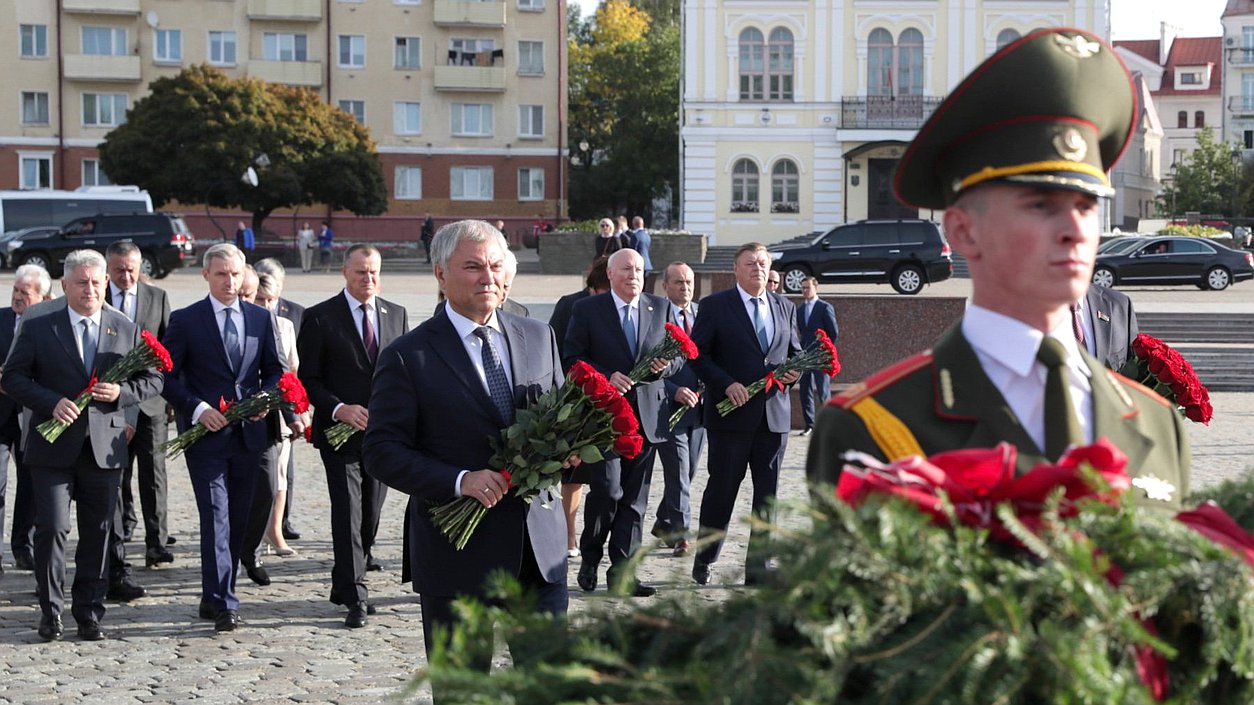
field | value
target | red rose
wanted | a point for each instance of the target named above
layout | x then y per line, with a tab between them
1200	412
580	371
624	424
509	479
628	445
223	404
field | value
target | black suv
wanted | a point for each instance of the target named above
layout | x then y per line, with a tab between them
164	242
904	253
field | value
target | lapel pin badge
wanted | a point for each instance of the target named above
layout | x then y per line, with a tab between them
1101	315
110	331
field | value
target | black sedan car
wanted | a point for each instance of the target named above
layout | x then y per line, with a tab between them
1154	261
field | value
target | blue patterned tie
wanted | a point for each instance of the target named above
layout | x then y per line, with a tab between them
629	330
494	371
759	325
89	345
230	336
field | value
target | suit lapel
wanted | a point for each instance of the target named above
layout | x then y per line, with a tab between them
647	313
1101	323
516	339
389	323
65	335
449	347
348	324
210	321
1115	417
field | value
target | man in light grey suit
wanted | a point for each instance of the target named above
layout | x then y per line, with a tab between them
54	358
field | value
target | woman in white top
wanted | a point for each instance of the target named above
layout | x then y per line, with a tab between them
306	243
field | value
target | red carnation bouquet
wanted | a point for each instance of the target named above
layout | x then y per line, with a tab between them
819	355
675	344
150	353
1159	367
288	394
585	416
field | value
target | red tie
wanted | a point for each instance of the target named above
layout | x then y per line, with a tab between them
1077	326
367	334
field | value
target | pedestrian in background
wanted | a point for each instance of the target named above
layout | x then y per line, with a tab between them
245	240
306	243
325	239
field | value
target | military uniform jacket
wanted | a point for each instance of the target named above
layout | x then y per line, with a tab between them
943	399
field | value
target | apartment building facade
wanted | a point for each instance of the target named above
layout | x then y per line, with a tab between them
465	99
795	112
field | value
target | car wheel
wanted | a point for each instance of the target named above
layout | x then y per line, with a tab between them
907	279
148	266
1104	277
1218	279
38	258
792	277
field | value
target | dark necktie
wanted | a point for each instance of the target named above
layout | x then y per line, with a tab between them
1062	428
629	330
494	372
230	338
1077	325
683	320
367	334
759	324
89	345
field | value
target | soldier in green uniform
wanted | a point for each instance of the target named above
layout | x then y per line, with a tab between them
1017	156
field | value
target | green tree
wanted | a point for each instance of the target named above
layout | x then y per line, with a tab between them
192	138
1208	181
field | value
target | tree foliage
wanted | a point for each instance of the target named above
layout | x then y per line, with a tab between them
624	102
192	138
1207	181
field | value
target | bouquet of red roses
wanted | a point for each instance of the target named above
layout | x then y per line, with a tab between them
289	394
149	353
818	355
585	416
1159	367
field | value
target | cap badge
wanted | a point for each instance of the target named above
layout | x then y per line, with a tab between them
1070	144
1077	45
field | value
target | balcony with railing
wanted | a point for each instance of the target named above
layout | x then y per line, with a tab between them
479	71
470	13
94	67
292	73
292	10
1241	105
900	112
102	7
1240	56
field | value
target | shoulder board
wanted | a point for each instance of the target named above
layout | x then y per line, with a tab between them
884	378
1122	382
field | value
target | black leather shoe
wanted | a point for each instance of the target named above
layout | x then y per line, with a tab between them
642	590
587	577
154	557
125	590
291	534
207	610
50	627
357	612
372	564
23	561
170	540
258	574
90	631
226	621
701	573
666	537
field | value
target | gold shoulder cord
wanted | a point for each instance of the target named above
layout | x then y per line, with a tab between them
888	432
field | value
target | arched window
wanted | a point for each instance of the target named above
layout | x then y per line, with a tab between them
1199	119
1006	36
744	187
1182	118
779	73
752	65
879	80
910	63
785	187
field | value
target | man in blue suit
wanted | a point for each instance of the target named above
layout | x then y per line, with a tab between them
814	315
439	392
743	333
223	349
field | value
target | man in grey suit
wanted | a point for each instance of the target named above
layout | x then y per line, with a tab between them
1106	324
54	358
439	392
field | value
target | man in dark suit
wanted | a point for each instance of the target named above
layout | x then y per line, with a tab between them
338	350
149	308
1104	321
813	315
54	358
31	286
223	349
612	332
743	333
1021	204
431	411
682	449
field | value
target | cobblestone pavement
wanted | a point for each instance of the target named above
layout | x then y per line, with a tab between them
293	646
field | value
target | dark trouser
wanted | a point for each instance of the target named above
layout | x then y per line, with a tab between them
22	534
291	490
119	567
262	504
730	453
679	458
224	483
356	503
150	433
94	492
810	383
615	507
6	448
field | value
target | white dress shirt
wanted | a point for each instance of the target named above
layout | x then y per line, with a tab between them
129	303
78	329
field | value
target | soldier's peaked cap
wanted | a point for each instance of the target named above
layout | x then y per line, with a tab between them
1055	108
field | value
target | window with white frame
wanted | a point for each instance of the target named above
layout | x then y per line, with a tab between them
35	170
785	187
471	119
356	108
93	175
34	41
34	108
352	51
530	4
1007	36
531	121
104	41
222	48
104	109
470	183
531	58
167	45
408	182
284	46
408	53
744	187
406	118
530	184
